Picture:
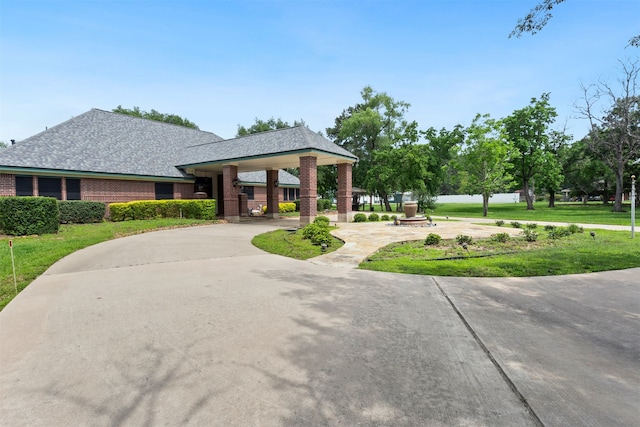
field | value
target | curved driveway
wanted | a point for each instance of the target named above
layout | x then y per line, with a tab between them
198	327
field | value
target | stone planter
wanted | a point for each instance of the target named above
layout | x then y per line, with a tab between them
410	209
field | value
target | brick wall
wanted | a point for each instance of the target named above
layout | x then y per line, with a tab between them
111	190
7	185
183	191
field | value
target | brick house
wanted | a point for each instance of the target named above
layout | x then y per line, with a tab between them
111	157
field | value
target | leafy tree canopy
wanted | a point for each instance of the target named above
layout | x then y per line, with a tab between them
266	125
155	115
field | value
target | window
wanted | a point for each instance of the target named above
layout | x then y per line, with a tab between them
249	192
50	187
291	194
73	188
24	186
164	190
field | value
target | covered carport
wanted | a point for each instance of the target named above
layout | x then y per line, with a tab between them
296	147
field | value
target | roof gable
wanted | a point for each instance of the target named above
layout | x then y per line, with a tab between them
104	142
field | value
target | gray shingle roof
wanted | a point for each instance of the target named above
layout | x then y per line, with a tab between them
110	143
289	140
105	142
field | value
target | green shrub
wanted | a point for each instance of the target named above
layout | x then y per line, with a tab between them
324	205
516	224
532	226
549	227
359	217
501	237
322	220
81	211
384	217
152	209
575	228
462	238
530	235
23	216
285	207
317	233
432	239
558	233
499	223
297	203
374	217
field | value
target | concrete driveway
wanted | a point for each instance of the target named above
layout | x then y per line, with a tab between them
197	327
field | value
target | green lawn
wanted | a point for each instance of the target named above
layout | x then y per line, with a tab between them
592	213
35	254
292	244
578	253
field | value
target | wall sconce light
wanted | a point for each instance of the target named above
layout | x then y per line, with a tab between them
276	183
235	182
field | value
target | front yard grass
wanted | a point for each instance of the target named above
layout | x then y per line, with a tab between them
292	244
577	253
35	254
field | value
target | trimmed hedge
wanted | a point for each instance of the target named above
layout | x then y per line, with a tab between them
287	207
81	211
23	216
151	209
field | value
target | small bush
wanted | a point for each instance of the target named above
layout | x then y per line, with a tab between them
575	228
532	226
317	233
549	227
394	217
324	205
558	233
501	237
499	223
23	216
516	224
81	211
462	238
374	217
384	217
432	239
530	235
359	217
322	220
297	203
287	207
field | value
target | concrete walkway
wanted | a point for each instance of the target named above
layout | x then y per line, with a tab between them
198	327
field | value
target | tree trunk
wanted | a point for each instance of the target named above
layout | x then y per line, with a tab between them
552	199
387	205
527	196
485	204
617	205
585	198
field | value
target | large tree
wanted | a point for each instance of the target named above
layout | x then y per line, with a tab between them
550	175
527	130
584	173
483	161
367	130
155	115
614	115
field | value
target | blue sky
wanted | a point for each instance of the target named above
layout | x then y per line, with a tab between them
223	63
